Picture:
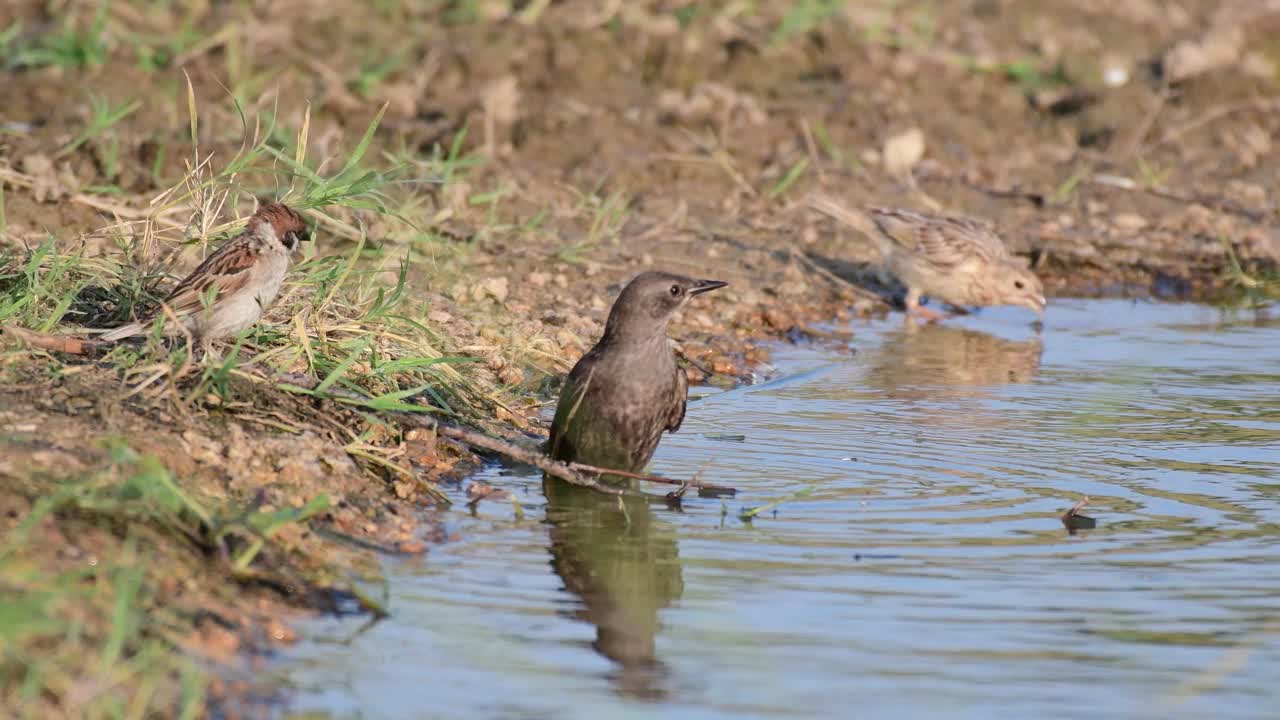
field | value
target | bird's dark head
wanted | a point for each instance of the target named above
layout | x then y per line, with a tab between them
647	303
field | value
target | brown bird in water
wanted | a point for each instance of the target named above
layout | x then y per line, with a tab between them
627	390
958	260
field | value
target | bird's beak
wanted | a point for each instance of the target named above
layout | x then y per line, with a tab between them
701	286
1036	303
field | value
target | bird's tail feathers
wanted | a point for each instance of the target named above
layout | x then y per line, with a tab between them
855	219
122	332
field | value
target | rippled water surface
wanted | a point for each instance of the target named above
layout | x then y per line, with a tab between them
928	571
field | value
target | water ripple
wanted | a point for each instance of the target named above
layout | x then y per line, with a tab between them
928	571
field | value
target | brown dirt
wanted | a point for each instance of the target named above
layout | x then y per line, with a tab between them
689	131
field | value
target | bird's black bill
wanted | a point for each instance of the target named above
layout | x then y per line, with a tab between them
702	286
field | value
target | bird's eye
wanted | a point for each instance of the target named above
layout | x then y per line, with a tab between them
1017	284
675	290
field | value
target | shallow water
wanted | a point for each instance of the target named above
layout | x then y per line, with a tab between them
928	570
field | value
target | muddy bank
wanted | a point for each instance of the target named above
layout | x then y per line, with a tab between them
531	158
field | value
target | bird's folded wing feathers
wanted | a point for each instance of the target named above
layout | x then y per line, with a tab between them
945	241
227	270
676	418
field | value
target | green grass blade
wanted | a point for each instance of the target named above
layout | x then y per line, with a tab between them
342	367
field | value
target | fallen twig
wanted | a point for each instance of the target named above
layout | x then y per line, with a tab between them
1072	520
573	473
72	344
711	490
515	452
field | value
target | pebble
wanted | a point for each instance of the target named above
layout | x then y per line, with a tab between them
567	340
723	366
511	375
1129	222
495	287
778	319
280	633
412	547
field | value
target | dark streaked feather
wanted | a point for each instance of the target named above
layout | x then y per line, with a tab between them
227	270
679	402
945	241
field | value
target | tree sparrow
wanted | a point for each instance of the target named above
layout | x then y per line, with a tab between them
239	281
960	261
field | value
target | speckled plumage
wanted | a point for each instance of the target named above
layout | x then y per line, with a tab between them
242	278
960	261
627	390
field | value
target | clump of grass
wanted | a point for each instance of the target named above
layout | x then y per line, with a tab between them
346	328
97	623
375	70
70	47
803	16
103	116
746	515
1255	290
608	215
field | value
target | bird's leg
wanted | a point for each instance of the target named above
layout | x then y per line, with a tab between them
915	308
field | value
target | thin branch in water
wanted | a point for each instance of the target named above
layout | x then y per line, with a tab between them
574	473
712	490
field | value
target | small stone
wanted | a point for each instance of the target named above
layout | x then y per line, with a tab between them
478	491
48	184
1115	75
567	340
494	287
217	641
412	547
778	319
1220	48
511	375
903	151
723	366
1129	222
280	633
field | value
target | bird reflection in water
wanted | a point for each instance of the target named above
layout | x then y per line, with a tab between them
624	566
934	360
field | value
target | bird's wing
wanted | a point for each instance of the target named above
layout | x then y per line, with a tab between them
945	241
572	394
676	418
227	270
